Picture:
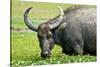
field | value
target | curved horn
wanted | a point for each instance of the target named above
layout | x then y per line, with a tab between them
27	21
59	20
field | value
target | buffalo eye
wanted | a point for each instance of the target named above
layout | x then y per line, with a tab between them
49	35
40	36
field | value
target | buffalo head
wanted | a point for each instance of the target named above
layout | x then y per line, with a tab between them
44	31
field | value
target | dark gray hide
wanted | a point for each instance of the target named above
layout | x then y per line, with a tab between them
75	32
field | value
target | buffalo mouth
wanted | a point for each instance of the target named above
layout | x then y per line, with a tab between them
45	54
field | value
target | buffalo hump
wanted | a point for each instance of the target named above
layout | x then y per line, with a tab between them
79	33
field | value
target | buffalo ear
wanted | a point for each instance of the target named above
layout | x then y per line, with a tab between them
62	26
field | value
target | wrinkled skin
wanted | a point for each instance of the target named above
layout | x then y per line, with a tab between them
76	33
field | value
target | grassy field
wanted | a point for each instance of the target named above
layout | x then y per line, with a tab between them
25	46
26	51
36	14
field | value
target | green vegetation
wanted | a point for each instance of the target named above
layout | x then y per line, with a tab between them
25	48
40	12
26	51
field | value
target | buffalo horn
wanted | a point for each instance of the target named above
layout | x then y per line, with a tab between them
27	21
59	20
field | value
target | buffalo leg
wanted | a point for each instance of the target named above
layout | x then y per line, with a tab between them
78	48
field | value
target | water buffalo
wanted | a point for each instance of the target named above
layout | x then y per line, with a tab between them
73	29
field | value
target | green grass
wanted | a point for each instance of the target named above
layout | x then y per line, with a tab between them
41	12
25	51
25	48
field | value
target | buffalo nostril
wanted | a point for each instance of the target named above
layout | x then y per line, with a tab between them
46	53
